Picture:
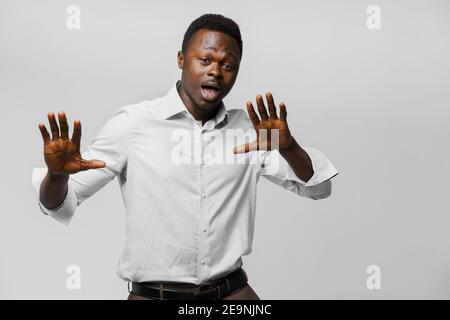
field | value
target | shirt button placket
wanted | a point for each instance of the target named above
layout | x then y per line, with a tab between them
202	213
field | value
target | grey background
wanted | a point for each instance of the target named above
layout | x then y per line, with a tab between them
375	102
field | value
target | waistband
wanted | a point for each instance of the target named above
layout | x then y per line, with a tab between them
210	290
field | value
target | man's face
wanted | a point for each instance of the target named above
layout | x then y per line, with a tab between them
210	67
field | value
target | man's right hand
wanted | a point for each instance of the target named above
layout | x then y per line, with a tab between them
62	155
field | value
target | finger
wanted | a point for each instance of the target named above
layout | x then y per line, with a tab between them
252	146
271	105
53	125
261	107
76	135
252	114
63	125
44	133
283	112
91	164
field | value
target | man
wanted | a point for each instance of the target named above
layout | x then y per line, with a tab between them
189	192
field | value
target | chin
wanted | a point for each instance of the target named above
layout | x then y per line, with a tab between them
206	109
205	104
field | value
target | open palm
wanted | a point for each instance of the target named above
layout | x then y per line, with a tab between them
62	155
266	126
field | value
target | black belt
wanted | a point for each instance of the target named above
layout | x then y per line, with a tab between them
212	290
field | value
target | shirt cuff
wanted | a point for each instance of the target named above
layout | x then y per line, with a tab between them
323	168
65	211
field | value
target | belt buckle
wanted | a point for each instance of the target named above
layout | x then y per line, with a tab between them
198	294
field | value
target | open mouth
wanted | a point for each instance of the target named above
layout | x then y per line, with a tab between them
210	93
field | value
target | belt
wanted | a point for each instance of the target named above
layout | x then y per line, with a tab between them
211	290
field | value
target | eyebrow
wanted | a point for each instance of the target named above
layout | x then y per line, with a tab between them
215	49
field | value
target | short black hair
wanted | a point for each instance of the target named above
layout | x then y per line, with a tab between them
215	22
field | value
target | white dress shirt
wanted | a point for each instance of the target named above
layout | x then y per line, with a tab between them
190	212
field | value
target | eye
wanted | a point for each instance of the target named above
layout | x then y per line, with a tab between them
204	59
228	66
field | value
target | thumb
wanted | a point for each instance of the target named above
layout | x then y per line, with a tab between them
244	148
92	164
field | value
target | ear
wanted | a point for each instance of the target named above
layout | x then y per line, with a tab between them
180	60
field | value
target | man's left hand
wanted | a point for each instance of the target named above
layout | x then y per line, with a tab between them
268	122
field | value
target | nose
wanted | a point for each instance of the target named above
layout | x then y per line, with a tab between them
215	71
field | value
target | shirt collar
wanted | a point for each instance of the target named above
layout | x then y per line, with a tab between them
174	106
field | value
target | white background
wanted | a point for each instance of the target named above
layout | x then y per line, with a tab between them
376	102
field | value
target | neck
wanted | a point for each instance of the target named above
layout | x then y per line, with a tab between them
192	108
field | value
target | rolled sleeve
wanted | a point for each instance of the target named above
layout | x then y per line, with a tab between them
322	167
65	211
277	170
